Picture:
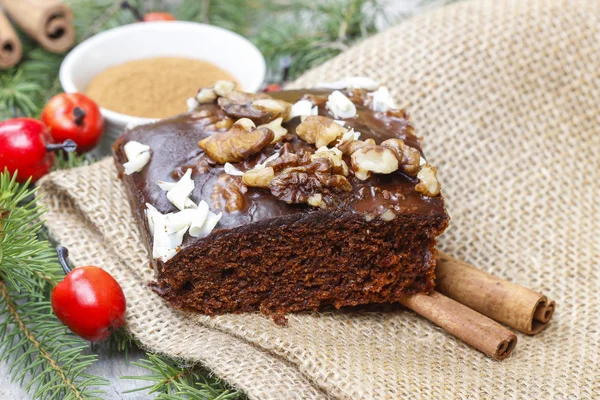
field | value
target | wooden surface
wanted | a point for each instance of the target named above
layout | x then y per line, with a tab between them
110	366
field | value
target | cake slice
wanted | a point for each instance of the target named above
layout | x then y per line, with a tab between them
284	202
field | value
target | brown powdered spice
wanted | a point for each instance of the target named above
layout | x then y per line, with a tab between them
153	87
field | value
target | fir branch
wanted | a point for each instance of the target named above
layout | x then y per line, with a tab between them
32	340
24	259
176	382
41	349
18	95
71	160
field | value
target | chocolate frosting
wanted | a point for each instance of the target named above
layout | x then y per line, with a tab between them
174	146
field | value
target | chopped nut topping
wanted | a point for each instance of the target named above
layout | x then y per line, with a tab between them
319	130
259	177
335	156
346	139
277	129
247	123
316	200
260	108
373	158
299	184
206	95
388	215
428	182
408	157
238	143
358	144
229	190
287	160
223	88
220	125
279	108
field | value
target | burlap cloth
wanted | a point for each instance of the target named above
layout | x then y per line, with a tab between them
507	96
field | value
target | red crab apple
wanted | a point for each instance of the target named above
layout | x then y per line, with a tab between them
89	301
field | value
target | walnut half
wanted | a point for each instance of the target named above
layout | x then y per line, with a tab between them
390	155
408	157
238	143
313	184
373	158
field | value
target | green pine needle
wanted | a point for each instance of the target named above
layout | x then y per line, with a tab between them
172	382
37	346
24	259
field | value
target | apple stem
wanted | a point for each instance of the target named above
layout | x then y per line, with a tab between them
136	13
78	115
63	253
68	145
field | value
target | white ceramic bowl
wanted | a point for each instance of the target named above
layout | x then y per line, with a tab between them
226	49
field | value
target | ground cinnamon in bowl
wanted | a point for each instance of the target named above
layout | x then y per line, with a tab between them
153	87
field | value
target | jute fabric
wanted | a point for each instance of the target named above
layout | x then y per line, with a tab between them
507	97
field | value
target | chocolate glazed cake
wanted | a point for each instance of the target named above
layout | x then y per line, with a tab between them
284	202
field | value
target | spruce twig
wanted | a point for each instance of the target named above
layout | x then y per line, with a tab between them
43	353
177	382
32	340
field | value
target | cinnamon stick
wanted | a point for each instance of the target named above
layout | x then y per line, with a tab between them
49	22
508	303
10	45
468	325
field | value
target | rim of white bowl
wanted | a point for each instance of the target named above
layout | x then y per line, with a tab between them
65	76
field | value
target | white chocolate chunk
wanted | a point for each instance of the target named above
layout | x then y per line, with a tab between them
166	185
340	122
137	164
165	244
178	194
231	170
180	220
133	149
199	219
137	155
422	161
151	212
381	100
169	229
192	104
212	220
341	106
303	108
350	83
